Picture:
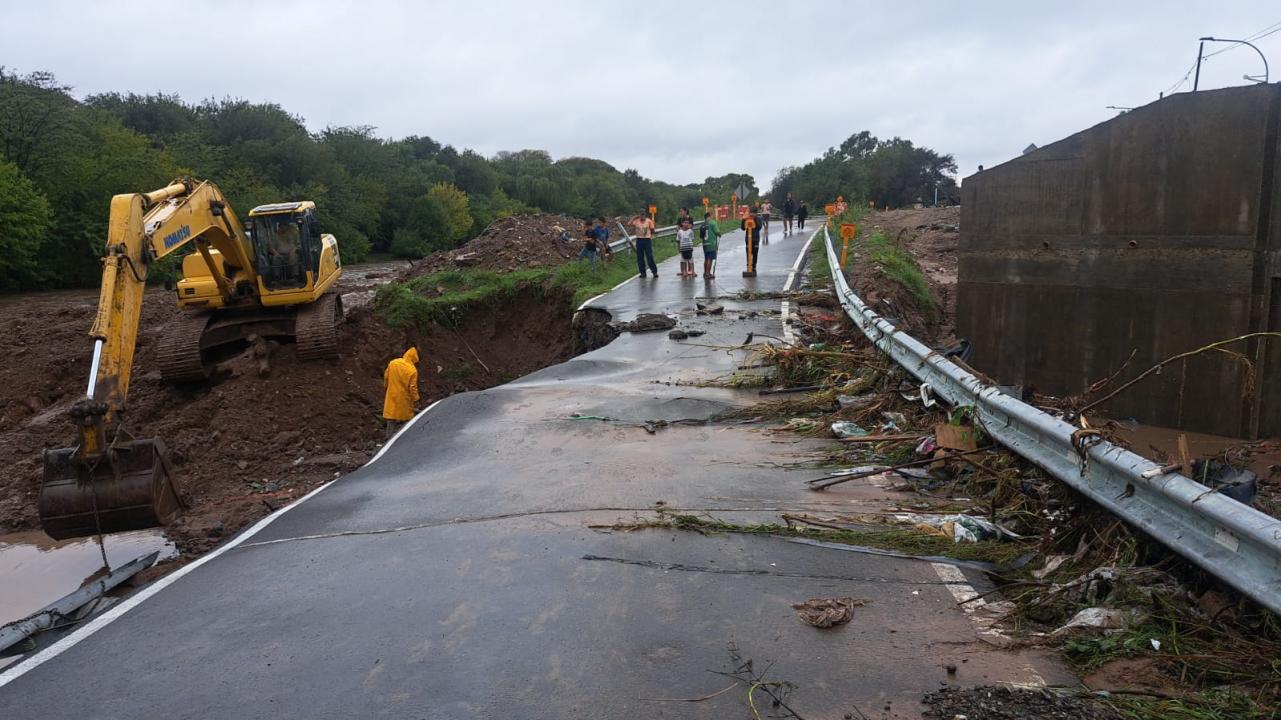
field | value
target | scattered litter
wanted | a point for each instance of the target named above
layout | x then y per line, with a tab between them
1156	644
1238	484
915	473
827	612
1098	618
895	418
956	437
927	446
1052	563
848	402
848	429
961	528
801	424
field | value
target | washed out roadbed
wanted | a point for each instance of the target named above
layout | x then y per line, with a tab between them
244	443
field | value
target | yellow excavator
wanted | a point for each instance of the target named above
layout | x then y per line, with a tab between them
270	281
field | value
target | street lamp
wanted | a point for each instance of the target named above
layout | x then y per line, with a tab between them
1200	55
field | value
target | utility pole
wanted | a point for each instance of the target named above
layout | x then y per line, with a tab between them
1200	51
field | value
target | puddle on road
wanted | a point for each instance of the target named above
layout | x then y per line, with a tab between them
35	570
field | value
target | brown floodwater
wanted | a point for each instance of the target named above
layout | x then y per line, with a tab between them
36	570
1161	445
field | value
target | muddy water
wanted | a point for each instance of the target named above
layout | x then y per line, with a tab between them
1158	443
36	570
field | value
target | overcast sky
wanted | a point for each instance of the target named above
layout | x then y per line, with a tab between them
677	90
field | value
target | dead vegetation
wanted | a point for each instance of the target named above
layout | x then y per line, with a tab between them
1159	637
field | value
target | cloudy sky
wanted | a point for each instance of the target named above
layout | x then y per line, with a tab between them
677	90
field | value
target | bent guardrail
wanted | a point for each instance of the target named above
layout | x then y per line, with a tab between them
1234	542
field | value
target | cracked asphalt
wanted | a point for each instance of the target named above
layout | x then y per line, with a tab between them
459	575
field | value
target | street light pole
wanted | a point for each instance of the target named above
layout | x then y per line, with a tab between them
1264	58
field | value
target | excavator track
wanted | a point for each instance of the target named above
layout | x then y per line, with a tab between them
316	328
179	354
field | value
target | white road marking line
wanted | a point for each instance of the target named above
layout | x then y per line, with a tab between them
789	335
983	614
119	609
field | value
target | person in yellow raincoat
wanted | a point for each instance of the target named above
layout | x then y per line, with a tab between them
401	381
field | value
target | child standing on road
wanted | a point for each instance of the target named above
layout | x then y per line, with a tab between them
685	240
711	240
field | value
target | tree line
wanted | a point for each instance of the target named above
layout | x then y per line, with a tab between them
62	158
890	173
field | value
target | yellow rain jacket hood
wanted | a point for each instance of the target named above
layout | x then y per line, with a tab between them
401	381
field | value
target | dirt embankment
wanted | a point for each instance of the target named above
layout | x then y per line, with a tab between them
242	443
512	243
930	236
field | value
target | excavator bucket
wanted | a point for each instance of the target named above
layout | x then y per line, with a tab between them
129	488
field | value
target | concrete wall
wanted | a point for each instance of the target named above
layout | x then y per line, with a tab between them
1155	232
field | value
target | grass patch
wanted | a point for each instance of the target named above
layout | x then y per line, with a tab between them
819	272
912	542
443	297
899	266
891	258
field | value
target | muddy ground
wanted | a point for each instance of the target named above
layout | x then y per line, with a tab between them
245	444
931	235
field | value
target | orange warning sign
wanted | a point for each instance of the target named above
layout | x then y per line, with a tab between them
848	231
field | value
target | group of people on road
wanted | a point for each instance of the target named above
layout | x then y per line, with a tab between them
755	224
400	379
792	209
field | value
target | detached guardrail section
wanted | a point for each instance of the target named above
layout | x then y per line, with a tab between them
1234	542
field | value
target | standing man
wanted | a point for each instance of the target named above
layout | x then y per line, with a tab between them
750	225
789	210
644	227
802	212
401	381
763	220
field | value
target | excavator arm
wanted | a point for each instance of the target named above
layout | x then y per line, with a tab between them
129	478
143	228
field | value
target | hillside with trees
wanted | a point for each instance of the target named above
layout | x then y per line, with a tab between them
62	158
893	173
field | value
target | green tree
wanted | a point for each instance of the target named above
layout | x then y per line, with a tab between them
25	219
455	210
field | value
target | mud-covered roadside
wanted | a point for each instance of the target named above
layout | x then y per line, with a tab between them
246	442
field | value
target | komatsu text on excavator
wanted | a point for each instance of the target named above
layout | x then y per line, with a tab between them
271	281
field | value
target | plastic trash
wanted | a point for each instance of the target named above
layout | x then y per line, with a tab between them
848	429
854	401
927	446
1098	618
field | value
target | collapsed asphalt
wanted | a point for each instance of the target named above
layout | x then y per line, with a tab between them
457	576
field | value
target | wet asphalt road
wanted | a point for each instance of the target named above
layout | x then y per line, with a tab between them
458	576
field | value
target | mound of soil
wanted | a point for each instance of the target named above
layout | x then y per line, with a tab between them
242	443
931	236
511	243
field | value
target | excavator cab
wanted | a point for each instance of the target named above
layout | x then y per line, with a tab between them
286	239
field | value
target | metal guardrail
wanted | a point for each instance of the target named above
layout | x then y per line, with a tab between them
1234	542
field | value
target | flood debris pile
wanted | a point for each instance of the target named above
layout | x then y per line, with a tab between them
1077	578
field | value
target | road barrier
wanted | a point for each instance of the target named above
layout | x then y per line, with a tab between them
1234	542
